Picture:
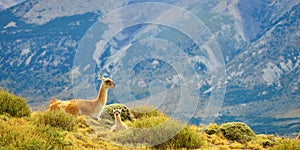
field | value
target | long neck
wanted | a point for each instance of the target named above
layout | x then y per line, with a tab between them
102	95
118	119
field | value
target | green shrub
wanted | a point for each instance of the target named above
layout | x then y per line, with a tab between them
287	144
265	140
161	133
237	131
212	129
53	138
13	105
18	133
57	119
187	138
125	115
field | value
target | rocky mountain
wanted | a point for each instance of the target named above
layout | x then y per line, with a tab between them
157	50
266	77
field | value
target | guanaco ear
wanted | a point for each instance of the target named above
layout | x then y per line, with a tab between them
100	77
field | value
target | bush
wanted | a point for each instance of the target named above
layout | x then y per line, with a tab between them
216	139
17	133
187	138
265	140
57	119
161	133
125	115
212	129
13	105
287	144
237	131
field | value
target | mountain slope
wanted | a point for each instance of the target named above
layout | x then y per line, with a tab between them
259	16
42	55
263	82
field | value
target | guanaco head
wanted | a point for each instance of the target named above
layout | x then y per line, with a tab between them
117	112
107	82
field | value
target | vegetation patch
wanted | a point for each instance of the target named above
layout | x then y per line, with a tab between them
287	144
125	115
265	140
158	131
13	105
18	133
145	111
212	129
57	119
237	131
149	129
188	137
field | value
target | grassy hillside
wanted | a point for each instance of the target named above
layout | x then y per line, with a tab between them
149	129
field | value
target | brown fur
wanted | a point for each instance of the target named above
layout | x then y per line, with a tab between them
68	106
92	108
119	124
298	137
